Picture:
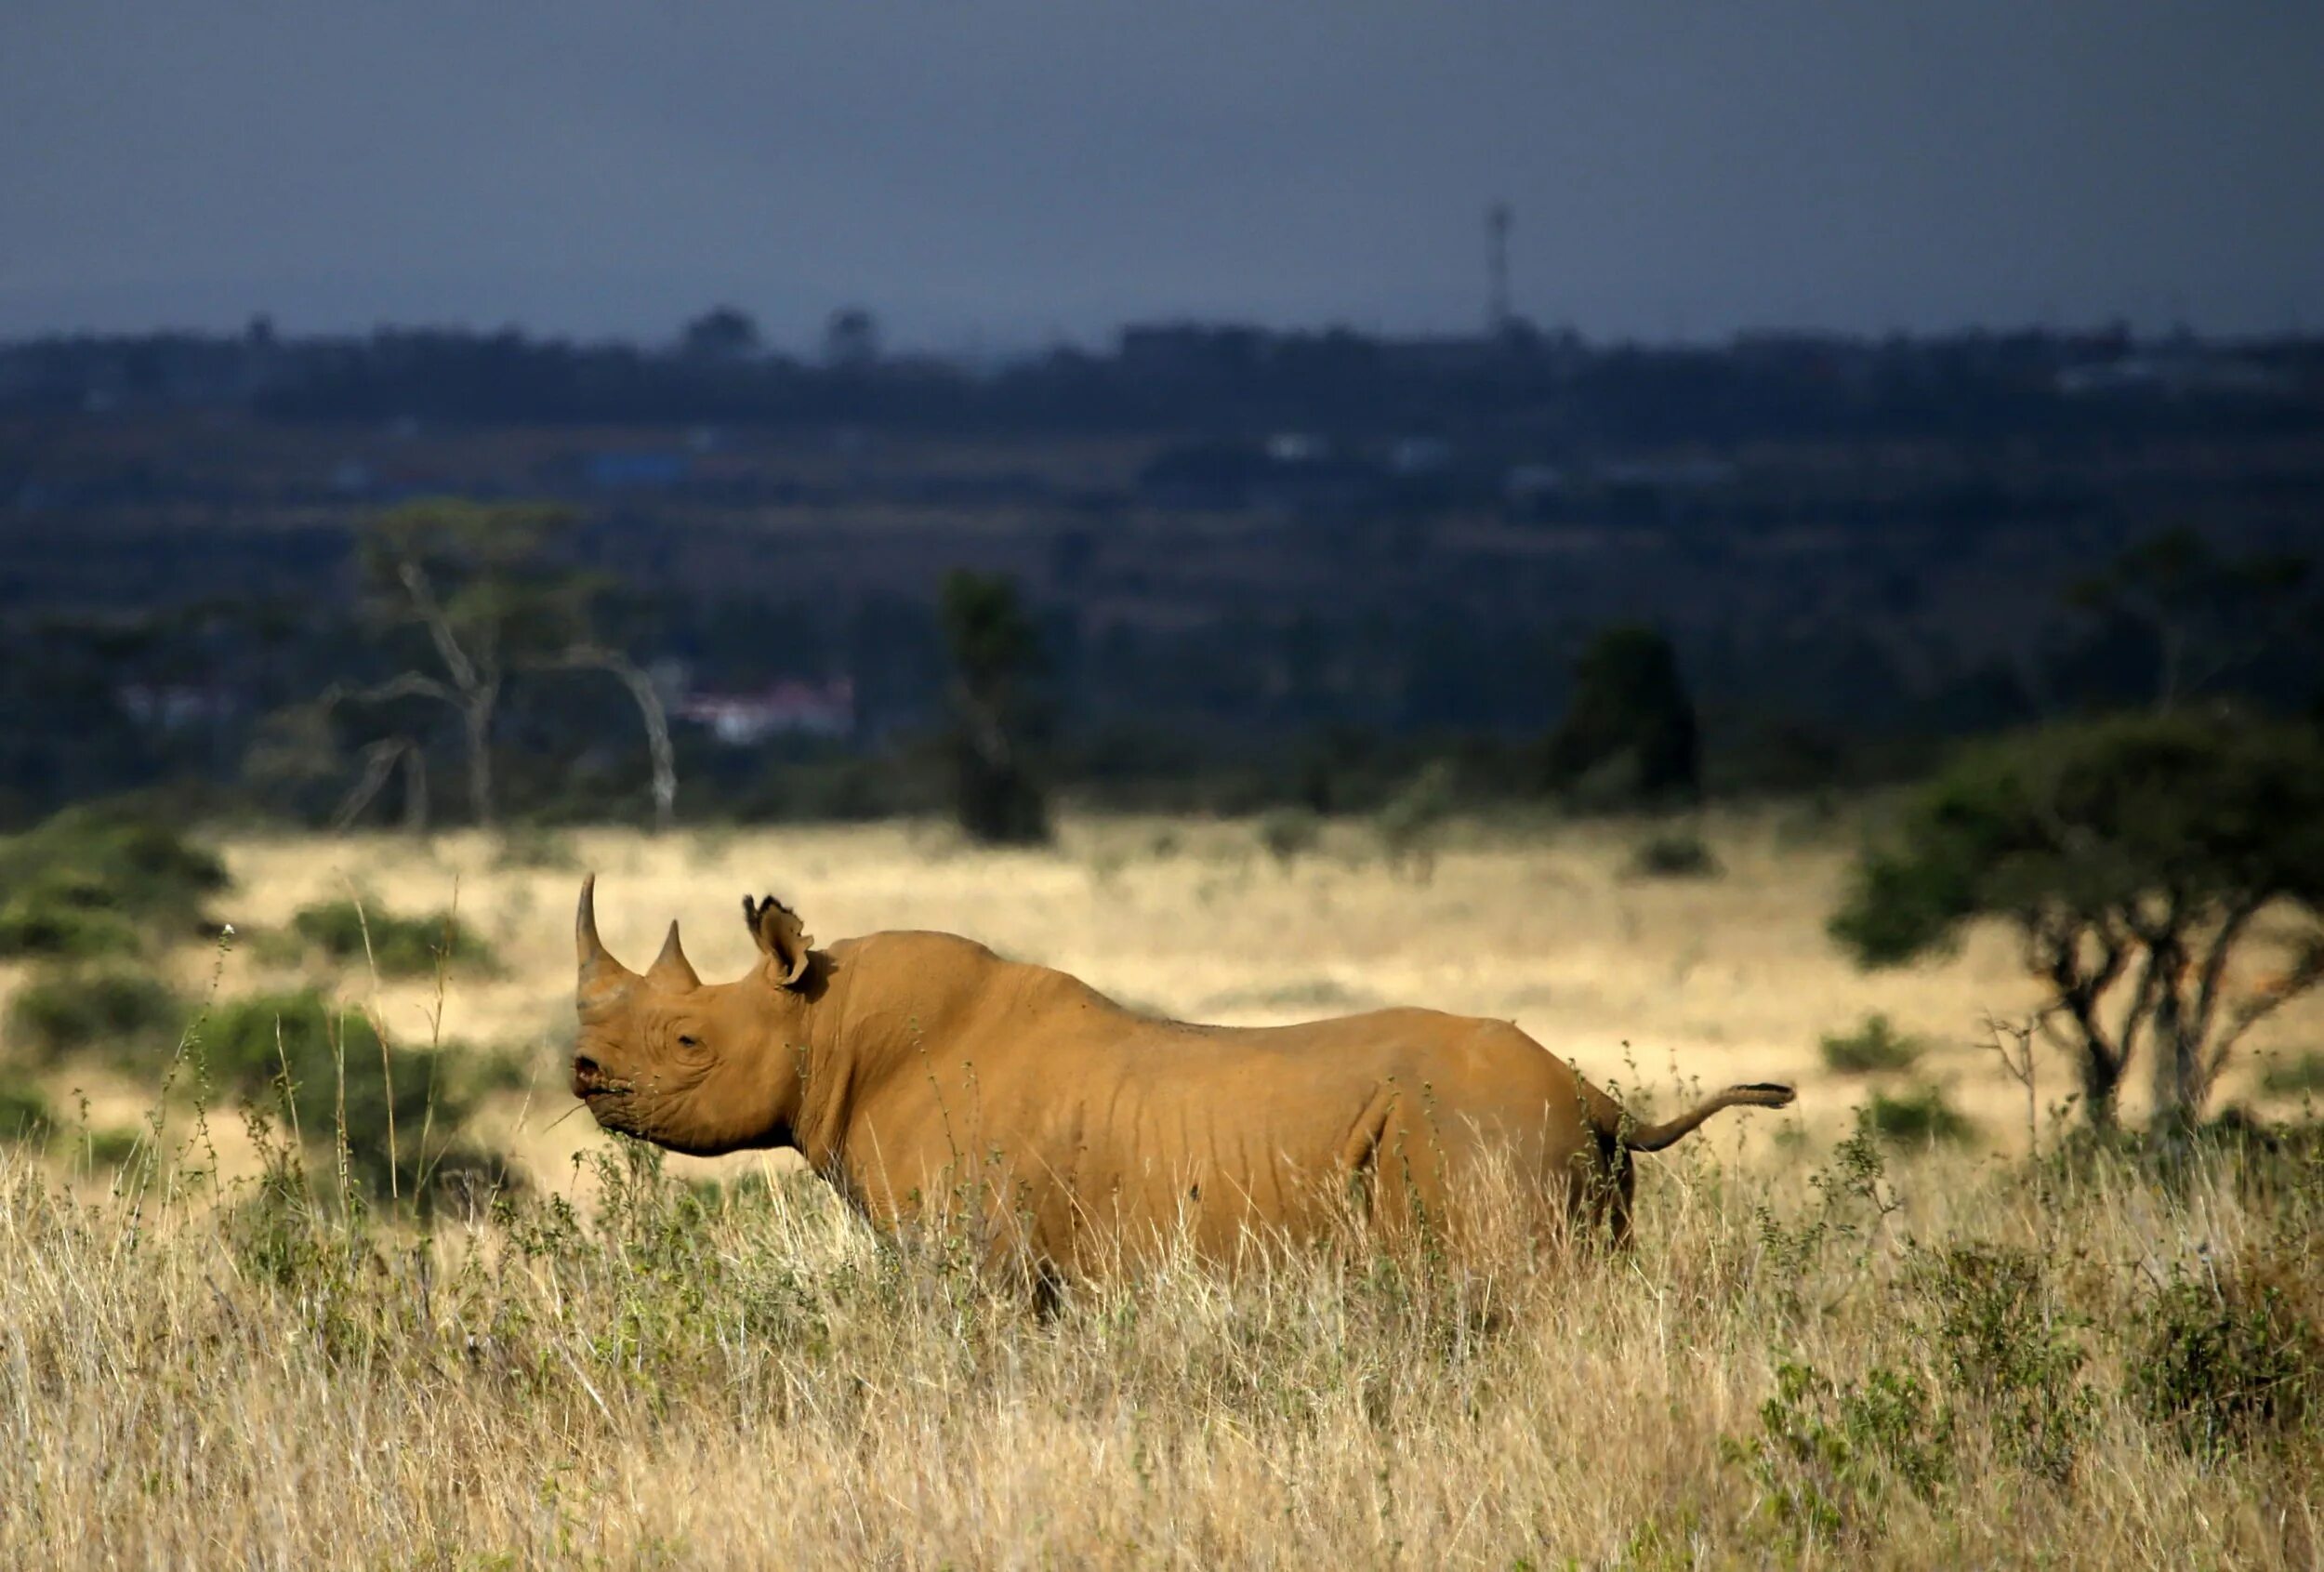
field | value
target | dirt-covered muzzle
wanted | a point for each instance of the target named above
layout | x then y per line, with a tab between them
590	1081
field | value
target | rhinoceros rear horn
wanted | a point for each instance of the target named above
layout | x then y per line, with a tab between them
670	969
600	970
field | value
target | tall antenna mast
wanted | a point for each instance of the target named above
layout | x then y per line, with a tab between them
1497	220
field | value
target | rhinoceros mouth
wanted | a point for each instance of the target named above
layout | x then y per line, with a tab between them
590	1083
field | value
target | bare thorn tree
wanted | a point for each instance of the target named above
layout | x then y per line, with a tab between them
475	582
2206	616
651	714
379	762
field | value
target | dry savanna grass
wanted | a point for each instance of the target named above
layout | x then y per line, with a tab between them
1821	1349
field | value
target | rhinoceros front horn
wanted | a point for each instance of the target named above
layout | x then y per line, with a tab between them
600	970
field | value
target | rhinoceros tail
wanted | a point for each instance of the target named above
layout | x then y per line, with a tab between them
1755	1094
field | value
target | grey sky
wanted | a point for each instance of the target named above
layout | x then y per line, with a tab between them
998	171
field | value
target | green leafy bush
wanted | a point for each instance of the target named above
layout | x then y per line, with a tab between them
61	923
1875	1045
1409	823
125	1011
2001	1335
1674	854
2229	1358
1290	833
481	1071
2295	1077
340	1081
24	1114
93	880
535	847
1829	1452
402	946
1922	1117
110	1148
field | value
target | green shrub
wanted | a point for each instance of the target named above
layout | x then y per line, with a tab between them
1409	821
91	880
57	1012
49	922
400	947
334	1053
110	1148
1828	1452
1290	833
1920	1118
534	847
2294	1078
2229	1358
134	851
24	1115
1875	1045
467	1074
1673	854
2002	1336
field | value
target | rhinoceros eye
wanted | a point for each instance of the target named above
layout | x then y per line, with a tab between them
685	1041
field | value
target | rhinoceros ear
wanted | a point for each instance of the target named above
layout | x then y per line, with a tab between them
777	929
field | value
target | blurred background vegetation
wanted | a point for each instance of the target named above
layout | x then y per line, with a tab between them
2034	609
429	578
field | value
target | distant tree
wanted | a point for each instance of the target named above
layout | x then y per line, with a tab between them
1629	733
722	334
456	571
2134	858
67	736
476	581
584	654
2205	614
995	653
851	340
381	757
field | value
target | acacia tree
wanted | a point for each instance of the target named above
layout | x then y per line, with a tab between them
476	582
2164	876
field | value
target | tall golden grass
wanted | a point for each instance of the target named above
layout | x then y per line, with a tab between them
1821	1350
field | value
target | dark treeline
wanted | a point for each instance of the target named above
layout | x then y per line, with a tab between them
1225	379
1250	568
